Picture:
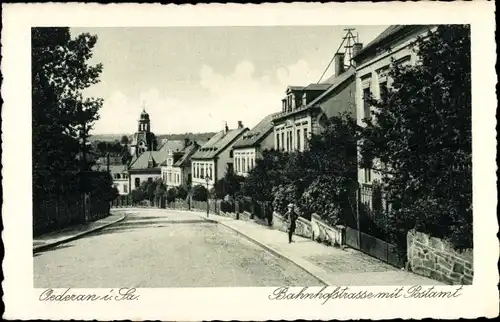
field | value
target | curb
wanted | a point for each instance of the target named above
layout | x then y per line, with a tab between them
272	251
40	248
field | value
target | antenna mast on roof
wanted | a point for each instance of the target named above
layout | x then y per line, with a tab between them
349	39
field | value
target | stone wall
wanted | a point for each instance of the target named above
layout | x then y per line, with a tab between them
303	229
228	214
437	259
245	215
322	232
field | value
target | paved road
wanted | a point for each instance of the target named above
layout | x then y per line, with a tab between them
159	248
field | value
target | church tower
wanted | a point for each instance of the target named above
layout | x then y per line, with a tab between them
144	122
143	140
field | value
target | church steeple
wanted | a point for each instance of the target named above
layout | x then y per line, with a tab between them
144	122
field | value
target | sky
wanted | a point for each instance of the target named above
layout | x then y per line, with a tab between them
194	79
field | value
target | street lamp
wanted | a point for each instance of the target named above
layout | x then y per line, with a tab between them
207	179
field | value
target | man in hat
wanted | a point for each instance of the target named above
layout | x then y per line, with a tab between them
292	217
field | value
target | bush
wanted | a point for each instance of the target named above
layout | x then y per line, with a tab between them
181	193
199	193
137	195
171	194
226	206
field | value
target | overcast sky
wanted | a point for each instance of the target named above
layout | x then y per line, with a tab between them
193	79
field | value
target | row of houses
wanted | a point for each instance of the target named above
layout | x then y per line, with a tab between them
358	72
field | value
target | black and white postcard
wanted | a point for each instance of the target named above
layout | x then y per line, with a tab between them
249	162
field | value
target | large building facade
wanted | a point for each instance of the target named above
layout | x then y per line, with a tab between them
305	110
176	170
392	46
248	149
215	157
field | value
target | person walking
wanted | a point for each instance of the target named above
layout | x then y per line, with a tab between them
292	218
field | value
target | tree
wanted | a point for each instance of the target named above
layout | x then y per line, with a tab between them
330	171
266	174
61	116
124	140
420	138
229	185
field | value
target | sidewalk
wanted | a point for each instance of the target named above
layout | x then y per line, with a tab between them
43	242
333	266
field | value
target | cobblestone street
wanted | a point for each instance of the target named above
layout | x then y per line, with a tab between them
155	248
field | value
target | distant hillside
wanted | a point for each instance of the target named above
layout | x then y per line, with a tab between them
192	136
106	137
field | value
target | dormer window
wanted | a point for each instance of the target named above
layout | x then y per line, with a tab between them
304	99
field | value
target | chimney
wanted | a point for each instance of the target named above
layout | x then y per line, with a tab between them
226	129
339	63
356	48
240	124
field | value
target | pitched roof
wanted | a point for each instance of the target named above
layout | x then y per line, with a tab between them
387	33
186	156
117	169
175	146
258	132
317	87
335	83
142	161
218	143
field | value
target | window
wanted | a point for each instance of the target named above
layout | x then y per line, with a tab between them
137	182
384	91
368	175
277	141
117	176
305	137
366	102
231	153
298	140
125	188
150	179
125	176
210	168
203	171
282	140
243	165
170	177
251	163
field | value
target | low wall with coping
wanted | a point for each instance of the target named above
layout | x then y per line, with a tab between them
322	232
437	259
303	226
